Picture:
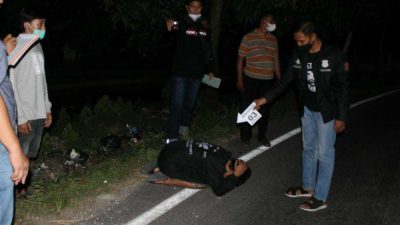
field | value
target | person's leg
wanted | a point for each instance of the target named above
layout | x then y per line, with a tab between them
180	183
248	96
326	158
262	124
37	132
6	188
192	89
176	106
310	149
25	140
184	131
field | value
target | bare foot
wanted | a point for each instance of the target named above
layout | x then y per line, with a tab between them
156	170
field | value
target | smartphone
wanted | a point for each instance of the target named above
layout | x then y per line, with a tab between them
175	25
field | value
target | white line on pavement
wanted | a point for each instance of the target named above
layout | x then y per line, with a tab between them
166	205
373	98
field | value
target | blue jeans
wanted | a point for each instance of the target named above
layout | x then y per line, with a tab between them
318	153
183	98
6	188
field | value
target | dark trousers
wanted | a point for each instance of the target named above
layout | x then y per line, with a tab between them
183	99
253	89
30	143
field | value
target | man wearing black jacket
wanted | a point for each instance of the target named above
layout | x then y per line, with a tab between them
190	64
322	81
195	163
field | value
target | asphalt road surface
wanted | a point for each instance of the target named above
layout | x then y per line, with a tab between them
365	188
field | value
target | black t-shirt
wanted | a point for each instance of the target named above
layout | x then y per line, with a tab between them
197	161
192	49
310	98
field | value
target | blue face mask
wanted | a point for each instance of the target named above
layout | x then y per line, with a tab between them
40	33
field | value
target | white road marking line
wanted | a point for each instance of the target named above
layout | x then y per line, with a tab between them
373	98
163	207
255	152
166	205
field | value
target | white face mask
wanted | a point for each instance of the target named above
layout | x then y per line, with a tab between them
271	27
194	16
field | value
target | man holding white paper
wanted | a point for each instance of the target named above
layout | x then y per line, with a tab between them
249	115
190	64
320	73
257	67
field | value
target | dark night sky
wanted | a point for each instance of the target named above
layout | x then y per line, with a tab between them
82	44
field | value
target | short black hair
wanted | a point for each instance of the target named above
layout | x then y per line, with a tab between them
244	177
307	28
265	15
30	13
190	1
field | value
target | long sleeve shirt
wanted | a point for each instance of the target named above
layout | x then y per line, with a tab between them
30	86
192	49
197	161
331	82
6	90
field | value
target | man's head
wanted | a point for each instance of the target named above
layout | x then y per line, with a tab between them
267	23
306	35
33	22
242	178
194	8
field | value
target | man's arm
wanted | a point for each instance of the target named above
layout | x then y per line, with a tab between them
222	184
277	66
279	87
170	24
282	83
24	126
19	161
239	68
342	70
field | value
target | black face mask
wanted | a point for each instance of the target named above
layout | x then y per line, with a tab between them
304	48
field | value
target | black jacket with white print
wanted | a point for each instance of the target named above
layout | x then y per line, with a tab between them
192	48
331	81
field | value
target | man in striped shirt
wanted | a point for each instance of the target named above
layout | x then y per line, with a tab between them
257	68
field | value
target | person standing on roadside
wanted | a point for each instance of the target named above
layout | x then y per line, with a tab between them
30	86
257	68
14	165
321	76
190	64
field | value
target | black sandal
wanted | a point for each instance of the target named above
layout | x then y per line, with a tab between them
313	205
298	192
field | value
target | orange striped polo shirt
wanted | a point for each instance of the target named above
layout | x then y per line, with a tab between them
260	51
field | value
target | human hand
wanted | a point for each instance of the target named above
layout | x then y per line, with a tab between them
10	42
20	165
170	24
240	168
210	75
228	169
25	128
48	121
259	102
340	126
